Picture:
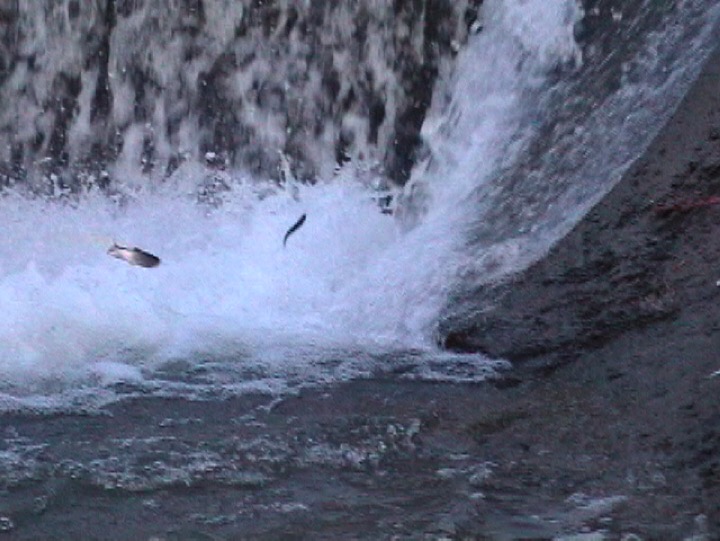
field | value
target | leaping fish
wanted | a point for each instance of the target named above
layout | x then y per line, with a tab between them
134	256
297	225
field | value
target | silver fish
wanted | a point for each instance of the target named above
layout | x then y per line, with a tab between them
134	256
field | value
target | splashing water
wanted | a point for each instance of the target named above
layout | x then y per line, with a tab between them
230	309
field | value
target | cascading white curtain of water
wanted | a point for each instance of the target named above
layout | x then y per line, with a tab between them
349	279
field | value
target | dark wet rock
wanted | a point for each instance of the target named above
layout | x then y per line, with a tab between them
631	261
616	331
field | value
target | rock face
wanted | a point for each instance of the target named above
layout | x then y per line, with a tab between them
150	84
647	252
619	325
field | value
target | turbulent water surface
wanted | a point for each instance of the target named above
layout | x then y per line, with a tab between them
432	145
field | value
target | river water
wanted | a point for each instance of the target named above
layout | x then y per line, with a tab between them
247	386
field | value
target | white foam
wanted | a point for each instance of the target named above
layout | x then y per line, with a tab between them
350	285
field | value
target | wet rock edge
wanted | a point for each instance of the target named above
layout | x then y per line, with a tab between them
619	322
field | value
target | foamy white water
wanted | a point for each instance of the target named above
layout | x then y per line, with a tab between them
229	305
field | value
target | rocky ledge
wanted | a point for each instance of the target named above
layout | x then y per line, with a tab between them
616	336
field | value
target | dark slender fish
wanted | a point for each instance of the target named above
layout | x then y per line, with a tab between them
134	256
294	228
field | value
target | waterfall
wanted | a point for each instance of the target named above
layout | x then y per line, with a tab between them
432	145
